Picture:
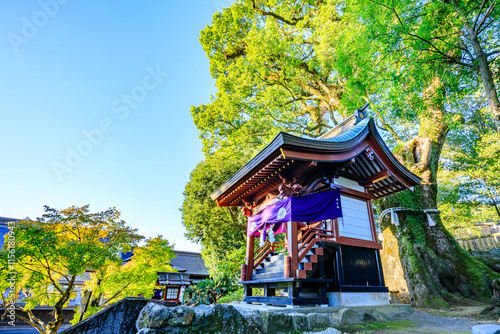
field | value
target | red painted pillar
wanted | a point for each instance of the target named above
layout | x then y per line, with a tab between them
291	232
250	250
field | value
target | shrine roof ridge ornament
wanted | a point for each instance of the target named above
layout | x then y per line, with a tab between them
344	143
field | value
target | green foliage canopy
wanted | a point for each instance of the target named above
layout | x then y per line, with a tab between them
137	277
54	250
301	66
220	230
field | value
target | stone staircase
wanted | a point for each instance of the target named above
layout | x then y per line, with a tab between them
273	265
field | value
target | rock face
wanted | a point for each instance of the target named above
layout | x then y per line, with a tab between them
225	318
118	318
222	318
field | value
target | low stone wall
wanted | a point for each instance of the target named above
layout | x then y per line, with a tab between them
118	318
226	318
138	315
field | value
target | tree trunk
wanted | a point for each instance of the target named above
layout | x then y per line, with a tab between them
53	326
432	270
482	66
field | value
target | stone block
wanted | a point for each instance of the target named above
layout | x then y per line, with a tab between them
153	316
299	321
276	322
326	331
486	329
372	315
349	316
181	316
317	321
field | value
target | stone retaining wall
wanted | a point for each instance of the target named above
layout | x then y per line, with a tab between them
118	318
225	318
138	315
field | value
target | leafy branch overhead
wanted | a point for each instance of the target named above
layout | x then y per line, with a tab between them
267	58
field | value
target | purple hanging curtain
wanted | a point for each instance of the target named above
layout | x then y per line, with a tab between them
309	208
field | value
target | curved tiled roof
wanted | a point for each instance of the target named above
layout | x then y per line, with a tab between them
345	139
189	262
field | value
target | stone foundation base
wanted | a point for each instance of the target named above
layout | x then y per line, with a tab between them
357	298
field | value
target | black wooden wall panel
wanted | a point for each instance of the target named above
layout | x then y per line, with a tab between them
360	266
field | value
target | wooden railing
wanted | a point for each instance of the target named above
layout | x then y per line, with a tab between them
481	243
309	239
309	236
263	251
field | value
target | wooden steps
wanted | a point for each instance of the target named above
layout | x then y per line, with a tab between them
309	263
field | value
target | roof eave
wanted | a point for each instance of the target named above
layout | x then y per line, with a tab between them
285	139
339	143
405	171
265	153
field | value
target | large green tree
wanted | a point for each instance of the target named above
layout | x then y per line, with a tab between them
416	85
301	66
221	231
51	252
272	56
463	33
137	277
469	183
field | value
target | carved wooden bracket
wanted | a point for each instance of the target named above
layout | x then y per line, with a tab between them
248	201
344	165
246	212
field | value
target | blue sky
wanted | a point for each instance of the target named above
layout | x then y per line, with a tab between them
95	107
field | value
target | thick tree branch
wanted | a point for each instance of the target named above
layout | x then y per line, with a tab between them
432	45
35	319
479	13
41	330
485	16
293	22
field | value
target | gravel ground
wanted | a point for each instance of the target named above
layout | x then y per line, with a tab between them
425	322
431	322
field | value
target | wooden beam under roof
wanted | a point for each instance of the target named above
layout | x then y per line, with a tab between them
375	178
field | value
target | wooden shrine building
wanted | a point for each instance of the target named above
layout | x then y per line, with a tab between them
317	192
